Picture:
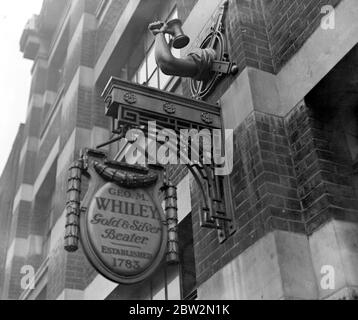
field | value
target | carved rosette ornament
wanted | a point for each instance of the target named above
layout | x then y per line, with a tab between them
207	118
169	108
129	97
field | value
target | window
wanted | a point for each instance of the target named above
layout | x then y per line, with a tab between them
148	73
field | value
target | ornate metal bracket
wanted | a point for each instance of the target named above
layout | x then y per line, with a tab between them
216	209
153	105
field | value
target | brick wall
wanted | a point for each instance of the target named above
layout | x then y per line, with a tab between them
83	52
56	271
76	16
68	119
7	191
33	122
22	219
247	35
38	83
265	34
47	142
264	193
323	167
108	24
248	41
290	24
98	118
84	109
72	63
15	278
292	174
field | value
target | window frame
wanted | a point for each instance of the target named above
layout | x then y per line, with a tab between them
156	71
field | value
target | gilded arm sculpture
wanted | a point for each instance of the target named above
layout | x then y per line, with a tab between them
197	64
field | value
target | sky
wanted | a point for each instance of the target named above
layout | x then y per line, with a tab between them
15	71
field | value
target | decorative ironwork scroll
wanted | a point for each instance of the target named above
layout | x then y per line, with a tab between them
217	211
221	66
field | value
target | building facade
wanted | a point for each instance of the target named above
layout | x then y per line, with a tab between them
293	107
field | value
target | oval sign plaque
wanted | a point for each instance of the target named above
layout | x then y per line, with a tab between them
124	236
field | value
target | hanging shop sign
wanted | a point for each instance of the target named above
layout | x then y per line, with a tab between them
124	234
120	222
